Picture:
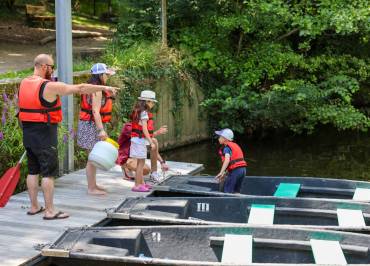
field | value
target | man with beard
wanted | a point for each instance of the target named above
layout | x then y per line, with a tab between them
40	112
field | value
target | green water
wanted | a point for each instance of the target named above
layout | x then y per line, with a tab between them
324	154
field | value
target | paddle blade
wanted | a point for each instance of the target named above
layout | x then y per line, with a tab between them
8	183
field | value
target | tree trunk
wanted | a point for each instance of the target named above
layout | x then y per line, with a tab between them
164	24
10	4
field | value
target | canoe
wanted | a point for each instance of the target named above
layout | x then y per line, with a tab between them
313	213
206	245
302	187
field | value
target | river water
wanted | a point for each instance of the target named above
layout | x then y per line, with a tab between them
327	153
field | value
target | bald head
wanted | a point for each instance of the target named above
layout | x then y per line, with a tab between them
43	59
44	66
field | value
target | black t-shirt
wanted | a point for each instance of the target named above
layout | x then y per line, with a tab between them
40	135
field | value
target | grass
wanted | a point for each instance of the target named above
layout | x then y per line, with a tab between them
78	66
88	22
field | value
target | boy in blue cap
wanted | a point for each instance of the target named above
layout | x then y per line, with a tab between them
232	160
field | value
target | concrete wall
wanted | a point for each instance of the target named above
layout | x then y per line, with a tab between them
178	109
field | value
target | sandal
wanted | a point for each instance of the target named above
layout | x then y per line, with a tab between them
148	186
140	188
39	211
57	216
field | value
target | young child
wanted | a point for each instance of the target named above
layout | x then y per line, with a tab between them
142	135
232	160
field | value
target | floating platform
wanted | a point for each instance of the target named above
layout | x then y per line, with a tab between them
22	236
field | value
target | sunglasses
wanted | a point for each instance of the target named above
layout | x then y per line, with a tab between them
51	66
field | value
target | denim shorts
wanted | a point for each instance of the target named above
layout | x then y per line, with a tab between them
234	180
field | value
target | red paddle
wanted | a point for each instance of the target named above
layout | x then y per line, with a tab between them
9	181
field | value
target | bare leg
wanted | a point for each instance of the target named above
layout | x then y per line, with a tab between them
47	184
92	187
139	180
131	165
146	169
154	156
33	187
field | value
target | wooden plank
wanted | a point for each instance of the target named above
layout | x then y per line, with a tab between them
261	214
350	218
362	194
289	190
327	252
237	249
19	232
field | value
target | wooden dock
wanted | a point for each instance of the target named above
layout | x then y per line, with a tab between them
21	235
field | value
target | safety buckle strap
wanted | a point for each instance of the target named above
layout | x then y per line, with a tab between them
236	160
42	111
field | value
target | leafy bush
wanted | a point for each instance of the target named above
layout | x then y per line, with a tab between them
264	64
11	139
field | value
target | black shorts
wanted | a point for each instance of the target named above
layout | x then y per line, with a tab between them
43	161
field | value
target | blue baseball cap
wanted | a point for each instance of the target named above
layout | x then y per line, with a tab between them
100	68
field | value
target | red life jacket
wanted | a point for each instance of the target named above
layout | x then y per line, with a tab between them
105	109
137	129
124	142
237	156
30	106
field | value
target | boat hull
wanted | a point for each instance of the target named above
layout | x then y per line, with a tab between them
197	245
296	212
310	187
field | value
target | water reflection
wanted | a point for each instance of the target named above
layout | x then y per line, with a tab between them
325	154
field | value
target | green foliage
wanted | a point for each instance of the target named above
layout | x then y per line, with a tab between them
263	64
140	66
11	139
11	145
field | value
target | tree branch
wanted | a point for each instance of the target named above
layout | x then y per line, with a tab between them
287	34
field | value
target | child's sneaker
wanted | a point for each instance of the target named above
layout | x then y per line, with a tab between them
140	188
155	177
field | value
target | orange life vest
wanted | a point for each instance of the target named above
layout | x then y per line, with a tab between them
105	109
30	106
237	156
137	129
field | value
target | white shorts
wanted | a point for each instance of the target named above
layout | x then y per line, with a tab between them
138	151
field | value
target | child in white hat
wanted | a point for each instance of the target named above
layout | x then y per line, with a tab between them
142	135
232	161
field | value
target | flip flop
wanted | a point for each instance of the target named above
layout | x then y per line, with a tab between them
56	216
39	211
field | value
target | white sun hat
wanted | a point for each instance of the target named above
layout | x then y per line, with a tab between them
226	133
100	68
147	95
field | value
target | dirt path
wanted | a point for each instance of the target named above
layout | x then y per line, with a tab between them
17	56
19	44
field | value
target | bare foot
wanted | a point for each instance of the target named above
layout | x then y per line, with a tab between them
96	191
100	188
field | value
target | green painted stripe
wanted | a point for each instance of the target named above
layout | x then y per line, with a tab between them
326	236
263	206
287	190
363	185
349	206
